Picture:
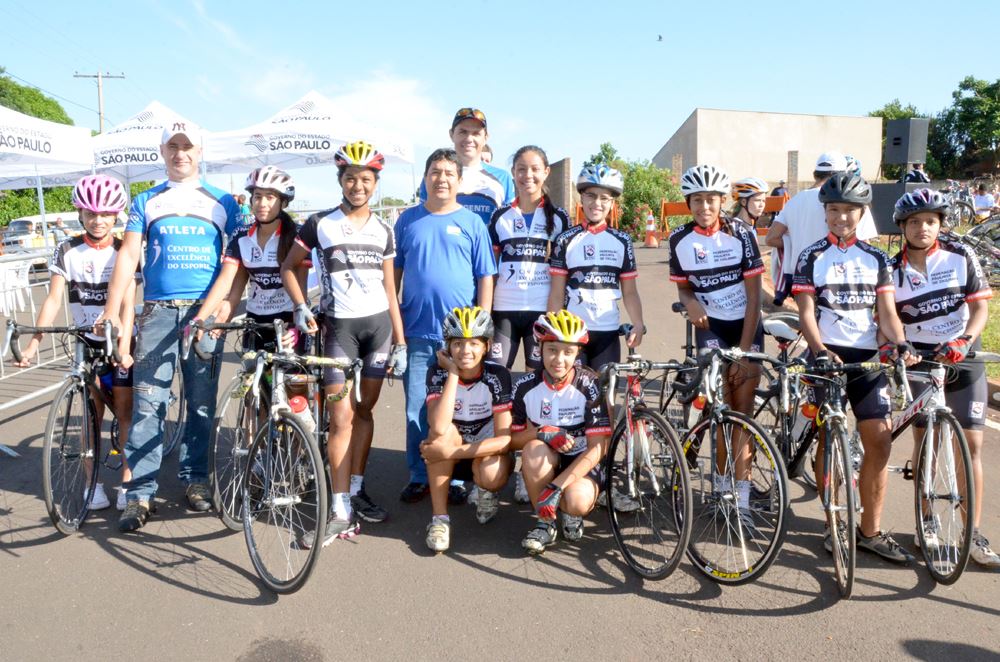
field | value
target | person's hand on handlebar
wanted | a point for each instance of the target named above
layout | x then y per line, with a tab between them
28	353
116	322
953	351
634	337
305	321
696	313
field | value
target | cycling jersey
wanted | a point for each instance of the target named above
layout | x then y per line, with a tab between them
184	225
475	401
715	262
87	270
482	190
267	295
594	259
523	245
350	263
845	281
578	407
933	306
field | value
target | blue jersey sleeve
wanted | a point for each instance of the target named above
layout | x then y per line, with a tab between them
233	214
137	215
399	232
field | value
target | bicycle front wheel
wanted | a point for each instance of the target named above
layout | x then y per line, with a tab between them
235	429
69	461
284	499
944	501
642	464
739	491
840	503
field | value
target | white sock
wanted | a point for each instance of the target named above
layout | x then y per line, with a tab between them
458	483
341	505
356	483
441	519
743	494
721	483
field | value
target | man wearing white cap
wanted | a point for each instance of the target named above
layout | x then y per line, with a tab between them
802	223
183	223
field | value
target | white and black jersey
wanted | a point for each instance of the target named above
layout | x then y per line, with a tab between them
475	401
351	260
595	260
933	306
87	270
715	263
267	295
846	279
578	407
523	254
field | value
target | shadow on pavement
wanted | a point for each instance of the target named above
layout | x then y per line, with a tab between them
925	649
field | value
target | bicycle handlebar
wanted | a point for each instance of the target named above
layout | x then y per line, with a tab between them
14	331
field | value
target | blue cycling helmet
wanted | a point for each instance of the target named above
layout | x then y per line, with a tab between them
601	175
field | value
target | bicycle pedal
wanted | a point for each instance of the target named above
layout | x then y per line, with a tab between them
907	470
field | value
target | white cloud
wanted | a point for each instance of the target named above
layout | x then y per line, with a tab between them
206	89
228	33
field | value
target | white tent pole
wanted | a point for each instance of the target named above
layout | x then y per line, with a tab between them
41	209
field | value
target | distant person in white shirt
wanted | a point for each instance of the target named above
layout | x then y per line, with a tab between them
984	203
802	223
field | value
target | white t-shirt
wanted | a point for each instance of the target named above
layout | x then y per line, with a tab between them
983	203
805	219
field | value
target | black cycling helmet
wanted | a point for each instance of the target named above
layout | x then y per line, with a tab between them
922	199
846	187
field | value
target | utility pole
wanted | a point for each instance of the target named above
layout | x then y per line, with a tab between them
100	91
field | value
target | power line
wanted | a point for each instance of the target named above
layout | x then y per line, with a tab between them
7	72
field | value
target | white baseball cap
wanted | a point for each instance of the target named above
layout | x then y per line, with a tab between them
832	161
172	128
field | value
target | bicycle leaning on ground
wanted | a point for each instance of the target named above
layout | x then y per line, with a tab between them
72	452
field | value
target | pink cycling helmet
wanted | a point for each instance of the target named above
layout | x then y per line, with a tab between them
100	194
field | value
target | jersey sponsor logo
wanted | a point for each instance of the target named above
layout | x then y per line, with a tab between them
976	409
942	304
454	229
496	350
712	343
379	360
589	251
524	250
595	277
256	255
88	267
182	229
916	281
519	225
700	255
712	281
849	298
839	268
546	408
156	250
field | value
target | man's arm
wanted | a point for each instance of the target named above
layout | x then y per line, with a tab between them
484	288
775	233
633	304
752	319
123	274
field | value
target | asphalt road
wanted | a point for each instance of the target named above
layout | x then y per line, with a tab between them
184	588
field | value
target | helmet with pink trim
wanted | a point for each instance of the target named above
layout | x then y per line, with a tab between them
100	194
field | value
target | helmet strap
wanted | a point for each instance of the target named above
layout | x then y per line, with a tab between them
558	383
103	242
744	203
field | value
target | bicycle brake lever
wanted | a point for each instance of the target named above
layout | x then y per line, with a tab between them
356	369
257	373
110	342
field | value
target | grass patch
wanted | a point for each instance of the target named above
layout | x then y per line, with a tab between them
991	342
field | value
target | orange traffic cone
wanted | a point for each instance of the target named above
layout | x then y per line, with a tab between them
651	241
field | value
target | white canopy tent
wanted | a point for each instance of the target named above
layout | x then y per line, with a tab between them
33	149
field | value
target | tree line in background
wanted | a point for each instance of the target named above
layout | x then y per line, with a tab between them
964	139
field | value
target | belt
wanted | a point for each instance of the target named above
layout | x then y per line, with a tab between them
175	303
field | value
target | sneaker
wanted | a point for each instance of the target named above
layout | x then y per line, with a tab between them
457	495
98	499
520	491
931	526
828	542
622	502
473	498
540	537
135	516
572	527
438	536
413	492
336	528
486	506
883	544
981	552
199	497
367	509
120	501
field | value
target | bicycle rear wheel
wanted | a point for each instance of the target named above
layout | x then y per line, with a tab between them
284	497
841	507
944	502
235	429
654	536
173	424
738	523
70	455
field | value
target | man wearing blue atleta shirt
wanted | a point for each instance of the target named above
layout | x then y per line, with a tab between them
439	245
180	226
485	187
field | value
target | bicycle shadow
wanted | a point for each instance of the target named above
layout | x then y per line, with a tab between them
926	649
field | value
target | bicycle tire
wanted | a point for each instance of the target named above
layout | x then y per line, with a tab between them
946	560
284	496
676	410
652	538
232	436
70	456
841	510
749	540
173	423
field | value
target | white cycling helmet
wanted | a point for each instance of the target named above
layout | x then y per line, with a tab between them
749	187
704	179
272	178
601	175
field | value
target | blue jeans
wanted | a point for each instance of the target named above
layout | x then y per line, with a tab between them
420	359
156	350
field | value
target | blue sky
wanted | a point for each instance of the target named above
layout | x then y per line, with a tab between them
564	75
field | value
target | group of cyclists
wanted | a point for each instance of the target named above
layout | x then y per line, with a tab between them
485	267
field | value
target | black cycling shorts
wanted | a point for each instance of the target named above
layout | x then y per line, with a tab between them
965	393
726	334
596	474
263	338
868	393
602	348
514	328
365	338
117	375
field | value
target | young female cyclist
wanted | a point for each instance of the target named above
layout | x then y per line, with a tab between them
751	196
522	235
84	263
468	418
593	266
941	299
561	421
254	255
716	265
360	320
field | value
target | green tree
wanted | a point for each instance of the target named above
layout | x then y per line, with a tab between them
975	112
390	201
606	153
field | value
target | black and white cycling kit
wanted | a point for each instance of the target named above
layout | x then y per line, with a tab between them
354	302
266	297
475	401
522	286
933	308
